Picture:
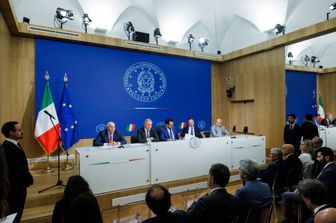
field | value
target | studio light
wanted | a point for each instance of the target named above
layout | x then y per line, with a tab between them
190	40
290	58
62	16
306	59
202	42
86	21
129	29
279	29
331	8
157	35
314	60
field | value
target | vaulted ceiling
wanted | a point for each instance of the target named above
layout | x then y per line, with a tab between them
229	25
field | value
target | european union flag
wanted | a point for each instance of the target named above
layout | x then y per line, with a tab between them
313	106
67	119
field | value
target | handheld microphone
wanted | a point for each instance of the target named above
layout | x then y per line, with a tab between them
50	115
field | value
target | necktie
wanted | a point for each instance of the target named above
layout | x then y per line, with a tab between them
110	137
171	134
18	144
191	131
147	134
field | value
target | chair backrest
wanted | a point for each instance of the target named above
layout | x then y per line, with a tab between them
206	134
134	139
281	181
227	219
307	171
260	215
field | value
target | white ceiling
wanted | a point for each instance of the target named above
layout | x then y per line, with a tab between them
229	25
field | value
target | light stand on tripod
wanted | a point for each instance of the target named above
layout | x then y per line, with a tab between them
59	140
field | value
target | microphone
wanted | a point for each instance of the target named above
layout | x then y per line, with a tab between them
50	115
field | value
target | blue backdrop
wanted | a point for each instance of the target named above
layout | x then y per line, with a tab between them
123	86
300	93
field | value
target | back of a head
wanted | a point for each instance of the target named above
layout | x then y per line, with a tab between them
85	209
76	185
313	190
158	199
287	149
220	174
250	168
277	153
317	142
326	216
309	117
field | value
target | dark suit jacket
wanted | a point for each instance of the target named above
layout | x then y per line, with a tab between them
164	136
328	178
141	135
294	163
293	137
311	219
102	138
267	175
197	132
326	122
214	207
170	217
309	130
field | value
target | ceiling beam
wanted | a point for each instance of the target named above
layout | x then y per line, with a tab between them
9	16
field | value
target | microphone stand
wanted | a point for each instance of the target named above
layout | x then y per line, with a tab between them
59	139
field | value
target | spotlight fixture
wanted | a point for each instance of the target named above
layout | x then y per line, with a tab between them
279	29
305	61
129	29
290	58
26	20
157	35
86	21
62	16
331	8
314	60
202	42
190	40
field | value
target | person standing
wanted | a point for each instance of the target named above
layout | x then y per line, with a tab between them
292	133
18	172
308	128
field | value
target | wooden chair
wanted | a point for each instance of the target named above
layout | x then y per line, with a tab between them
260	215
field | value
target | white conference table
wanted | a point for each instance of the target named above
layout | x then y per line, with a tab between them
111	168
328	135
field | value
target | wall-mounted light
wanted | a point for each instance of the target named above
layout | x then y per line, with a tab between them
157	35
129	29
202	42
331	8
62	16
86	21
190	40
314	60
290	58
279	29
306	60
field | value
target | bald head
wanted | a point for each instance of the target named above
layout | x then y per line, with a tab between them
287	149
326	216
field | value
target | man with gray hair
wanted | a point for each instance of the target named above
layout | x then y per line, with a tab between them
109	137
278	165
147	133
254	193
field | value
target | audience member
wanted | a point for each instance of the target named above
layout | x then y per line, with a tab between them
278	165
306	158
109	137
327	121
76	186
191	129
292	133
293	164
147	133
17	165
327	215
168	132
4	185
158	199
218	130
308	128
254	193
217	205
317	142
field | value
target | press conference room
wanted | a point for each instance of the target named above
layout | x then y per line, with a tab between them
167	111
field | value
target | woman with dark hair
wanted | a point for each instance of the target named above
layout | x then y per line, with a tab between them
4	185
75	187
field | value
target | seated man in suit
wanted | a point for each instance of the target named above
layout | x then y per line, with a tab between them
217	205
191	130
147	133
327	121
327	215
168	132
254	193
218	130
278	165
158	199
109	137
293	163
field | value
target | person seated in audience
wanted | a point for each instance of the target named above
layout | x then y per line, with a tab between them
292	133
76	186
308	128
191	129
317	142
109	137
168	132
218	130
293	164
147	133
306	158
254	193
217	205
314	195
158	200
278	165
327	215
327	121
85	209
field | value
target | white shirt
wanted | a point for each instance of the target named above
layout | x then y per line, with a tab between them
318	208
193	130
13	141
306	159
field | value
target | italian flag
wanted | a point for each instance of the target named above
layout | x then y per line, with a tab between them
130	127
320	107
44	130
182	125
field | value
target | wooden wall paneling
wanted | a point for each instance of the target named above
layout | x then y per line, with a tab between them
237	117
217	92
327	89
249	116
